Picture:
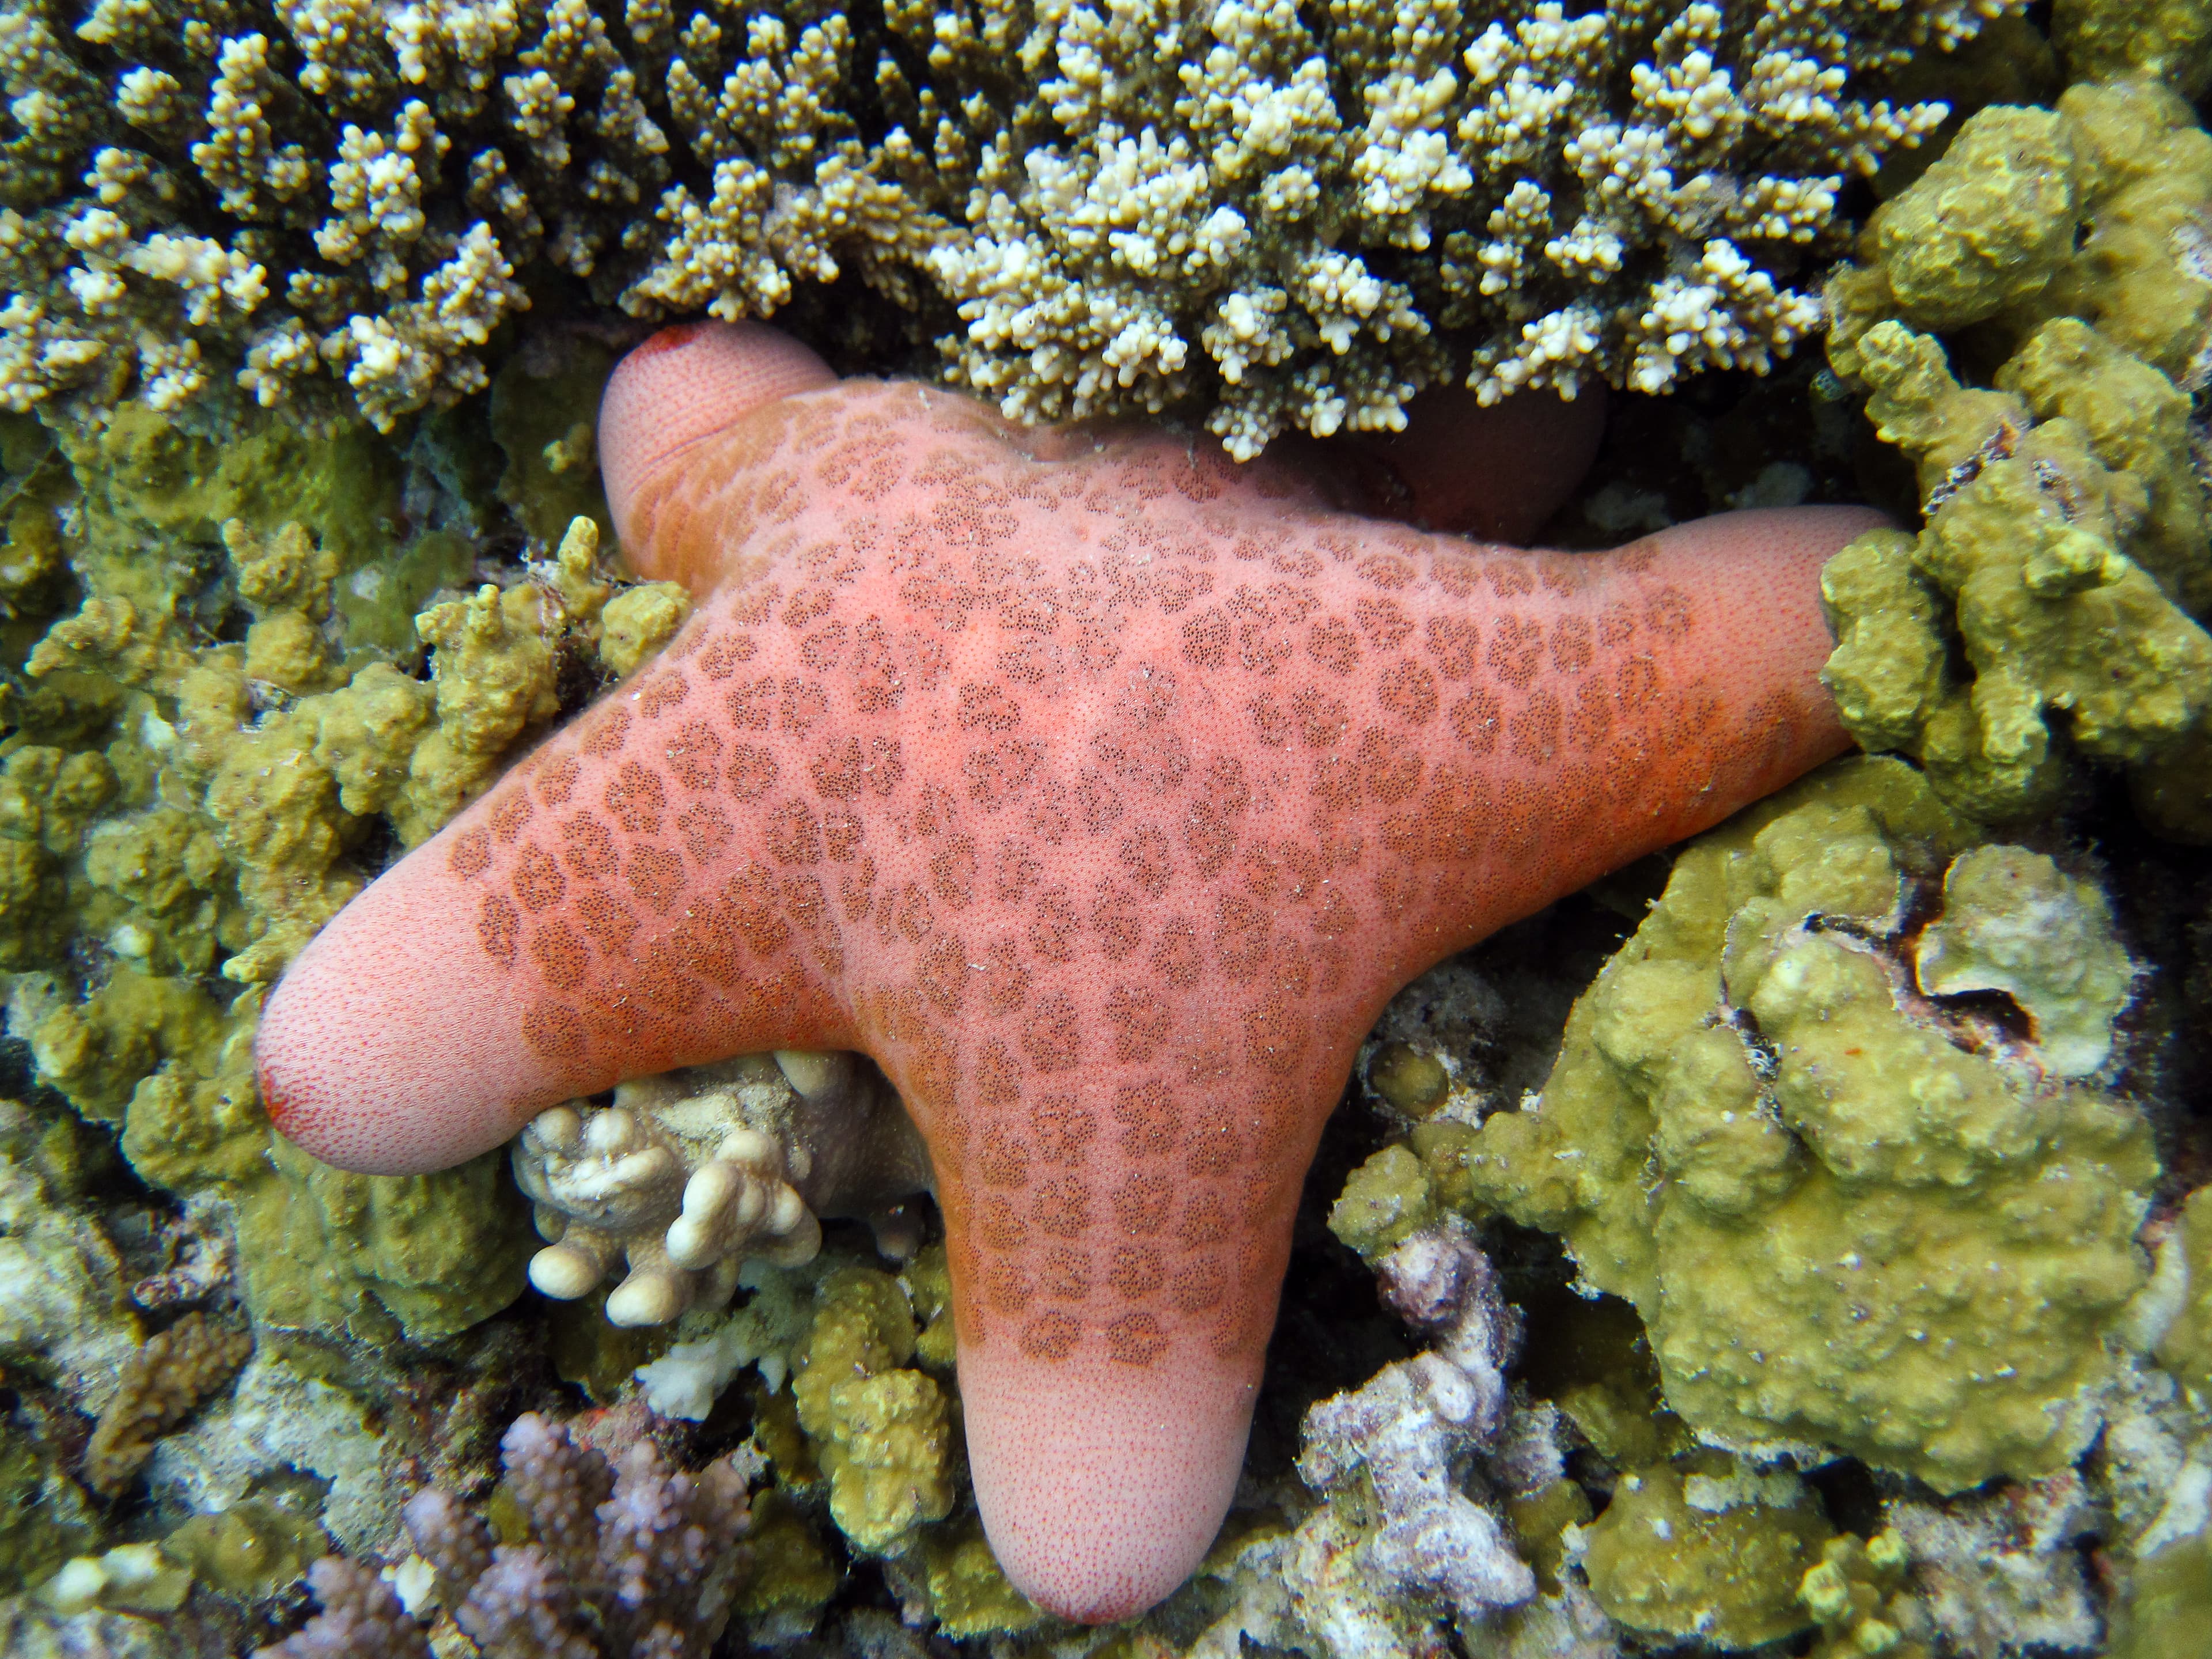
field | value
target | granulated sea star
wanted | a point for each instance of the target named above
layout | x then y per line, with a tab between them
1101	790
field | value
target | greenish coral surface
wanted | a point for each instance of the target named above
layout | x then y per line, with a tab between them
2013	922
882	1431
1669	1559
1844	1221
242	672
2053	605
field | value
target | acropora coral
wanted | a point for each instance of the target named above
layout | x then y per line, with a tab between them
1280	219
247	657
621	1555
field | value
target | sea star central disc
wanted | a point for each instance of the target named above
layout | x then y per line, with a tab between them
1101	790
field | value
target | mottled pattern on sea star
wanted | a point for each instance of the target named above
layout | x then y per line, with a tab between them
1103	791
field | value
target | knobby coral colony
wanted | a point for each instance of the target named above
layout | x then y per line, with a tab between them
1855	1123
1283	218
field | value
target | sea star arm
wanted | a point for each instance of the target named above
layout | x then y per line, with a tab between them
1103	792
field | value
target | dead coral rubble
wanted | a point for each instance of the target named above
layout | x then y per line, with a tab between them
1413	1423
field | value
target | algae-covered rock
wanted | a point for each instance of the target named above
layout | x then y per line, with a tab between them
1716	1560
2052	604
1844	1217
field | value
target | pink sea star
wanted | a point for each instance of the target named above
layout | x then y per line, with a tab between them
1101	790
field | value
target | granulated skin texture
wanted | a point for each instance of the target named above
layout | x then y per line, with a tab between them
1101	790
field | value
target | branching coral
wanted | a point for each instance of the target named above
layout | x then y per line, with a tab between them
1295	215
1296	219
627	1557
319	196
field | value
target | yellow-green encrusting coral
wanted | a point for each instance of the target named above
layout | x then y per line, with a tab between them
1282	217
882	1431
220	714
1715	1558
1846	1217
2053	603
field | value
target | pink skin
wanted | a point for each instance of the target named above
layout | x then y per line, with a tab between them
1101	790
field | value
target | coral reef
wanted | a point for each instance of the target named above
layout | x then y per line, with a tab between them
237	675
1026	894
689	1174
212	734
1290	220
1757	1046
2052	604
